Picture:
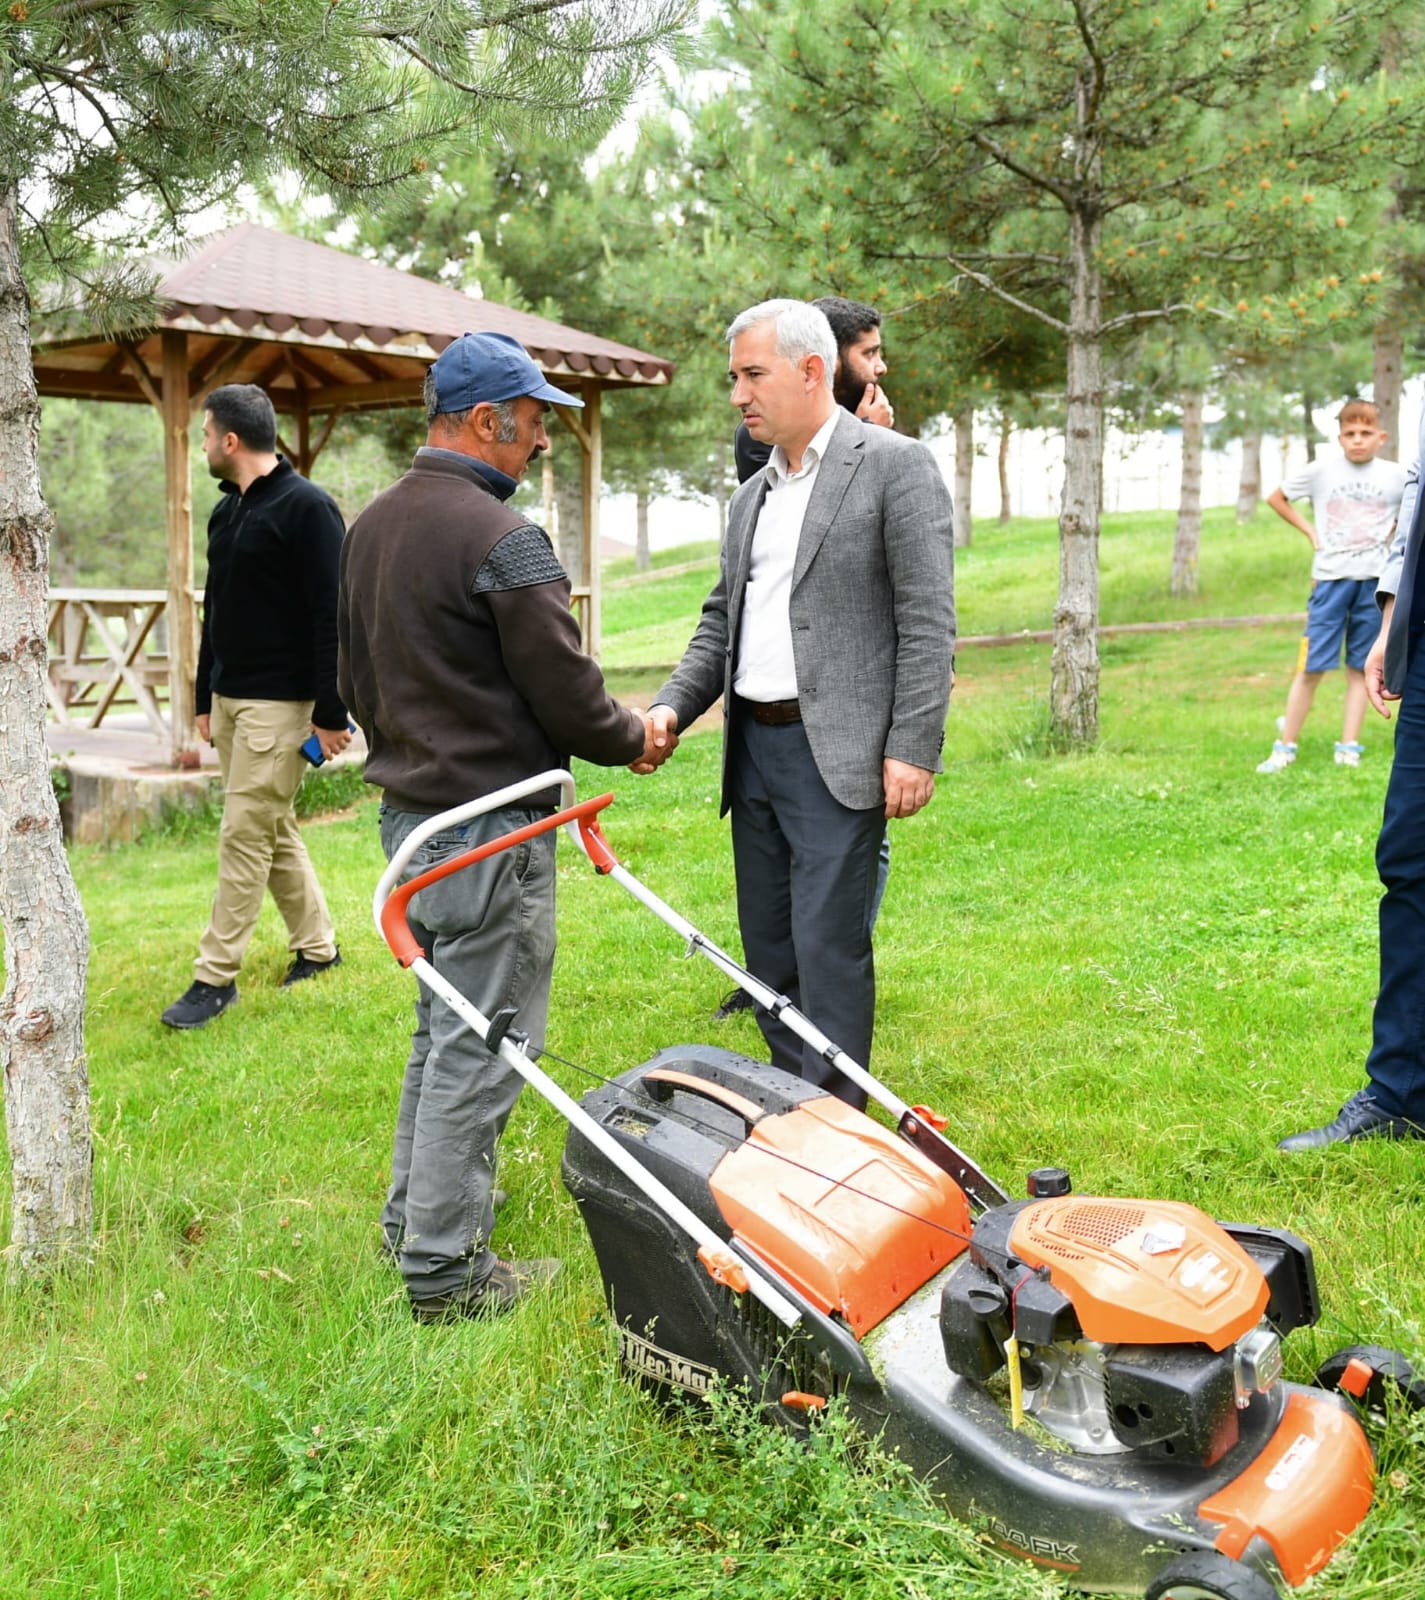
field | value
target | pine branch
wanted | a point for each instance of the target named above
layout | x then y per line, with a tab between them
991	287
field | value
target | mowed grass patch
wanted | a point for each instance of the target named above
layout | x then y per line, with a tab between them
1146	964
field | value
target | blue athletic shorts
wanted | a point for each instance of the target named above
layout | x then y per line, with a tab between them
1339	609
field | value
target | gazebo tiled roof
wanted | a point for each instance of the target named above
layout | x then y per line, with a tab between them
348	332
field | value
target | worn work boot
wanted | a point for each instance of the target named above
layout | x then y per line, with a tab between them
305	967
509	1282
199	1004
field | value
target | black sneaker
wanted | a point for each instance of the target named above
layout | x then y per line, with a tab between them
737	1000
305	967
502	1291
200	1004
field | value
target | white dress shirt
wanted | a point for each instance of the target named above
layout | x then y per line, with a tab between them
766	669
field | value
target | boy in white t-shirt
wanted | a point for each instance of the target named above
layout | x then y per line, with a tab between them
1354	499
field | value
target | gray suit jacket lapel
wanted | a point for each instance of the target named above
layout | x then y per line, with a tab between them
833	479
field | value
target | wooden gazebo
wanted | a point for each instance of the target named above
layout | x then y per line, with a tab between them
324	333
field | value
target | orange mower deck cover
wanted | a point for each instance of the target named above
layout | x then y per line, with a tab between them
852	1216
1144	1271
1304	1493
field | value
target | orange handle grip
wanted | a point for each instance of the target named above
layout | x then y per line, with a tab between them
395	927
748	1110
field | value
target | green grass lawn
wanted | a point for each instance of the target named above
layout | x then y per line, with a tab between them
1146	964
1008	580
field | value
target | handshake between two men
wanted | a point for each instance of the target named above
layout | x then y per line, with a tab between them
660	739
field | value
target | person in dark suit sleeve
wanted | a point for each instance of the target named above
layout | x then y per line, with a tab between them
1392	1105
830	636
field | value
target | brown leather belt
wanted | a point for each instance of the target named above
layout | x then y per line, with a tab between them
771	713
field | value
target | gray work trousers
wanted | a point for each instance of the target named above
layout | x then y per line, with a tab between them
489	930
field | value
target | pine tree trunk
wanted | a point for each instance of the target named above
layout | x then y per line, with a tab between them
1006	428
569	513
1074	671
964	474
1308	425
46	937
1249	480
1389	360
641	559
1187	540
722	494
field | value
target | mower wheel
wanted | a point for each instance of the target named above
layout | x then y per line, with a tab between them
1369	1375
1206	1575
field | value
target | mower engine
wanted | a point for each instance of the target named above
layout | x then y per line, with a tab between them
1138	1325
1095	1383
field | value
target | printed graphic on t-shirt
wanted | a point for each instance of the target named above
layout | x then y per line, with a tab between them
1355	514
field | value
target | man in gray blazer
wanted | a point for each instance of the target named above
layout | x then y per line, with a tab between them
1392	1105
830	635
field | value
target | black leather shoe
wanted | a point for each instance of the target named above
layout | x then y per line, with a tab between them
1360	1118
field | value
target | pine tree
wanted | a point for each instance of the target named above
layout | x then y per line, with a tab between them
1094	164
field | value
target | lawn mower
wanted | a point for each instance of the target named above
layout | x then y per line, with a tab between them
1094	1382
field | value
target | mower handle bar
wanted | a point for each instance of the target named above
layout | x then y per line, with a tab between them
919	1126
389	912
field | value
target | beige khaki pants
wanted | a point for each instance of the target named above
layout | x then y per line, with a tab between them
260	846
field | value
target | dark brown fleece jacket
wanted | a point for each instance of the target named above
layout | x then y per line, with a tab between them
459	656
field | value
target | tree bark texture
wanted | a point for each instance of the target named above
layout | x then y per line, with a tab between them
1187	538
1006	429
964	473
641	558
1074	670
1389	361
46	936
569	511
1249	478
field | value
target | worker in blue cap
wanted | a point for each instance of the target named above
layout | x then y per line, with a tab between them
461	660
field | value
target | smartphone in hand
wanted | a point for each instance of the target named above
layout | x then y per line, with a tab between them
311	747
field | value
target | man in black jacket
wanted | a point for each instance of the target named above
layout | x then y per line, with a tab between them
266	683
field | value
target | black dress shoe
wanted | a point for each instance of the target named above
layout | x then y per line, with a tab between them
738	1000
1360	1118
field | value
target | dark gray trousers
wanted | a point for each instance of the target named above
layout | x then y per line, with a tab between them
807	869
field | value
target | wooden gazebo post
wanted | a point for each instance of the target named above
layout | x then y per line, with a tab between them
592	449
178	506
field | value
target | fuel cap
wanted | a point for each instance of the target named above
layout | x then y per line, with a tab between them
1046	1183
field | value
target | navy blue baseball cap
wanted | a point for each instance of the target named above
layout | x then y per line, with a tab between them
484	368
